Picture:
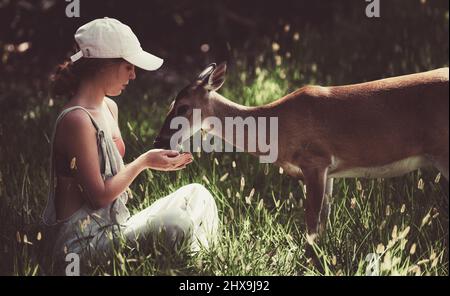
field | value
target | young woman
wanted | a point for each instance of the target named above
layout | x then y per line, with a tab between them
88	191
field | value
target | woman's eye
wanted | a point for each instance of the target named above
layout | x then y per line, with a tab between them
182	110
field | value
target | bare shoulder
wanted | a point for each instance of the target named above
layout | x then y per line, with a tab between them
113	106
76	121
74	128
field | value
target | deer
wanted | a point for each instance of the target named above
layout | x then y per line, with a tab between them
378	129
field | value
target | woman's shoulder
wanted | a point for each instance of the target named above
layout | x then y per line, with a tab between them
74	125
74	120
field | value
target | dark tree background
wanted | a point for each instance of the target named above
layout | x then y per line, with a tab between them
341	35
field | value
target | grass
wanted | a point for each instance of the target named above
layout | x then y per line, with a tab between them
406	226
402	222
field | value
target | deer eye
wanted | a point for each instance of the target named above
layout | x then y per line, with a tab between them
182	110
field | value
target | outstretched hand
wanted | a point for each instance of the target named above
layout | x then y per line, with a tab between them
167	160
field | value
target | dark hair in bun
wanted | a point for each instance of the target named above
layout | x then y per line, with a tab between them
66	78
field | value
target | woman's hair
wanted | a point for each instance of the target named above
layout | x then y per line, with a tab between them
66	78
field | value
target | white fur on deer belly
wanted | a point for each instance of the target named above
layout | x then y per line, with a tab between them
394	169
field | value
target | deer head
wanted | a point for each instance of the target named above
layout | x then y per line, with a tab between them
194	96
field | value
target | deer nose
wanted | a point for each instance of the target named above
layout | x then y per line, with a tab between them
160	143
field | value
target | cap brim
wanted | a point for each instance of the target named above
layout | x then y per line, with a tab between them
145	61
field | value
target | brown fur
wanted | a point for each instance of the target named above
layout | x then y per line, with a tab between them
363	125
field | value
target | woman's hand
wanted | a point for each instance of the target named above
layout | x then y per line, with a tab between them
166	160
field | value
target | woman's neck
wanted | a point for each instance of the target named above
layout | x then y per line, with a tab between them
89	95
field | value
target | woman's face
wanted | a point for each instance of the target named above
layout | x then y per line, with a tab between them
117	76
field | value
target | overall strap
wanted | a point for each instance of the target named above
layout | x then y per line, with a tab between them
49	215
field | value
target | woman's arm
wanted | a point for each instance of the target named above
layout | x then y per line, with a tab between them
83	147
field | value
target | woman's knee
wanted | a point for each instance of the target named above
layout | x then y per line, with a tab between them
171	230
200	191
195	186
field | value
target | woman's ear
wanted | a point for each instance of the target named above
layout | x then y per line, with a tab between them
217	77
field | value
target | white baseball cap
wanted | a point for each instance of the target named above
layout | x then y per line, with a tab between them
109	38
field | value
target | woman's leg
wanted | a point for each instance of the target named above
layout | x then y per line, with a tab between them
188	215
202	209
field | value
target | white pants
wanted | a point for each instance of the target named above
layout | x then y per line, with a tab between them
187	215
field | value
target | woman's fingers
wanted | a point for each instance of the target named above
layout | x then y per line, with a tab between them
179	168
181	158
182	164
173	160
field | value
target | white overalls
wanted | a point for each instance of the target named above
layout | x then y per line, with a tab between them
188	214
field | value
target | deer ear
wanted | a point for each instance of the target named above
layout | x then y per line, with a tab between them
217	77
204	76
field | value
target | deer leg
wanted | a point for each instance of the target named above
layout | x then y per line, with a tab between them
315	181
325	212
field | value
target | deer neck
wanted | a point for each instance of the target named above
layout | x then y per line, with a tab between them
225	111
222	107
